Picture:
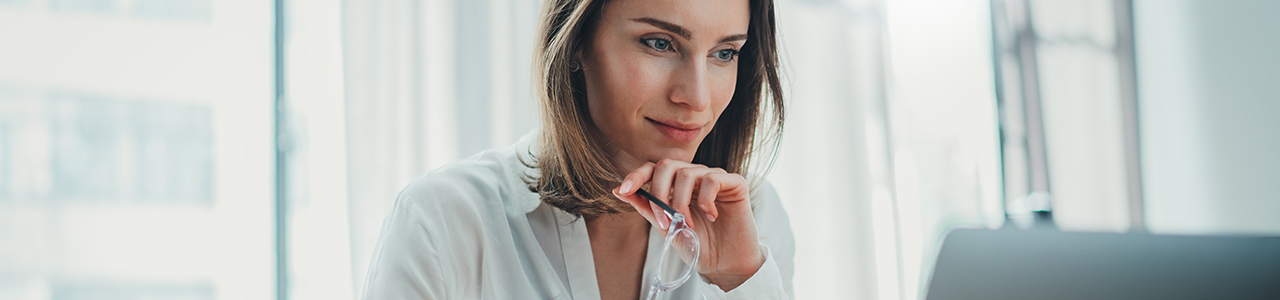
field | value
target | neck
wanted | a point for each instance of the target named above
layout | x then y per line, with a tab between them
623	162
617	230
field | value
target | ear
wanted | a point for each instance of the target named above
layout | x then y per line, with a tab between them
577	61
579	56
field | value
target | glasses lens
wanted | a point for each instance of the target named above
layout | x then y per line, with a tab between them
678	259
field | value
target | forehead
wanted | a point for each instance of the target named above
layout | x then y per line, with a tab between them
705	19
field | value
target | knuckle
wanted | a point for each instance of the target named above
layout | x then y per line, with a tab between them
684	174
665	162
646	168
711	178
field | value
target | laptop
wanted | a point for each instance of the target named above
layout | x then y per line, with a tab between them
1050	264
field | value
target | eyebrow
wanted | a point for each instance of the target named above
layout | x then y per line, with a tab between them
736	37
684	32
673	28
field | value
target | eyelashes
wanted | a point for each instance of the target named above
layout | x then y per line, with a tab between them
665	45
659	44
726	55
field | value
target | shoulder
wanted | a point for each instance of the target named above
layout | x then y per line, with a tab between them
445	225
761	189
772	222
492	181
484	185
429	238
766	201
774	228
458	181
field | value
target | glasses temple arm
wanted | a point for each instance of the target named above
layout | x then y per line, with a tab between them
655	200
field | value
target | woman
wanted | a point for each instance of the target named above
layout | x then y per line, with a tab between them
660	95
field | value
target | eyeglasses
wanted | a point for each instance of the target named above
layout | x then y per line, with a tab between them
679	252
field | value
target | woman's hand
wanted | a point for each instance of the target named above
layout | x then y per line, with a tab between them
715	204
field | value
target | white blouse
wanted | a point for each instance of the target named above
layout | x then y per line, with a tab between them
473	230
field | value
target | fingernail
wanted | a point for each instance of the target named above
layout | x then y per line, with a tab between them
663	221
626	185
619	196
710	217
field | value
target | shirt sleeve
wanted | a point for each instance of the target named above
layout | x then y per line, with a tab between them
427	248
773	279
767	283
406	262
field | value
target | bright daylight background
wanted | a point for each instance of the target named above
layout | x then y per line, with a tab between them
157	149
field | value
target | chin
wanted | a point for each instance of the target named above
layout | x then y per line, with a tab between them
673	153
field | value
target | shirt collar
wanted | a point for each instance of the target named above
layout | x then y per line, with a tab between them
522	201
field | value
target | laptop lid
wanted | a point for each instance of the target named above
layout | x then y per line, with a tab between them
1050	264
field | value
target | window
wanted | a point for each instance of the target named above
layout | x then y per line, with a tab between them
136	150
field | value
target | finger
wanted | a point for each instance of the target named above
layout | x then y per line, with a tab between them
661	215
639	203
635	179
647	209
682	188
660	182
733	188
711	186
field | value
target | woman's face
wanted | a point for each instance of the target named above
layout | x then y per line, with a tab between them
660	72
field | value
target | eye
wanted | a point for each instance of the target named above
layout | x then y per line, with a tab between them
726	54
657	43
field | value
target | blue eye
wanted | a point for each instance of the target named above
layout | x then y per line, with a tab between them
657	44
726	54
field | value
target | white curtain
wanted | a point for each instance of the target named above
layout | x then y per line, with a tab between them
890	139
428	82
832	54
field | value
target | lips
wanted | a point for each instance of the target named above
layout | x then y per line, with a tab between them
676	131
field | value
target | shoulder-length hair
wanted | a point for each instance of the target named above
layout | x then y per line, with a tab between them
575	173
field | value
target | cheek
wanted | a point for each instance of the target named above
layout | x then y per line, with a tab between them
616	90
633	82
723	84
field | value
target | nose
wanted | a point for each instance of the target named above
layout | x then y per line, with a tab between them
690	85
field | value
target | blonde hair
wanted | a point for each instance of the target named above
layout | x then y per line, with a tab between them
575	173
